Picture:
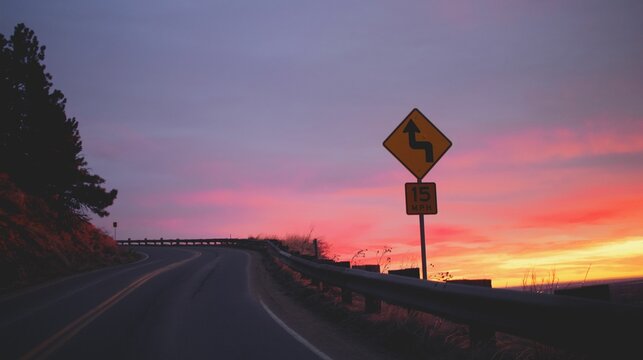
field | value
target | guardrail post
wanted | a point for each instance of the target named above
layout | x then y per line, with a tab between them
316	283
409	272
371	304
347	296
479	335
313	281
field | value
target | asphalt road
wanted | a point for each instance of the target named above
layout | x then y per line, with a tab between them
178	303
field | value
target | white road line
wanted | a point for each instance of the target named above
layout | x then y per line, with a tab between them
294	334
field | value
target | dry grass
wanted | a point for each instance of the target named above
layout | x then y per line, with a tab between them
37	242
300	243
544	285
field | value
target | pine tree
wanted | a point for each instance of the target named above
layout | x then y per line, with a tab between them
40	147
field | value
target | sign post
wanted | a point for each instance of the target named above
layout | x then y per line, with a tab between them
423	244
418	145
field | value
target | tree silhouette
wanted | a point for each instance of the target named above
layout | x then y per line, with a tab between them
40	147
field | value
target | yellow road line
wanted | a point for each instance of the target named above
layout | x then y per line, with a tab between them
31	289
47	347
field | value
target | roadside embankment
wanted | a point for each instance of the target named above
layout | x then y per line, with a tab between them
39	242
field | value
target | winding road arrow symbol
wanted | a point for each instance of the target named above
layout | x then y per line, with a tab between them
412	129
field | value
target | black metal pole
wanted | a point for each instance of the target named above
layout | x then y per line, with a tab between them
423	243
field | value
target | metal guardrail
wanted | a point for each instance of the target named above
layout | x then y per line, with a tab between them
597	328
245	243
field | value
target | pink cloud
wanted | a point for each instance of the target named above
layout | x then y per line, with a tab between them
574	217
455	233
536	145
368	192
540	145
601	196
246	198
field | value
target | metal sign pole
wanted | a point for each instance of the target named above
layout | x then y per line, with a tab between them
418	145
422	243
423	247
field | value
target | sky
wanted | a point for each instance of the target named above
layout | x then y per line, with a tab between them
261	118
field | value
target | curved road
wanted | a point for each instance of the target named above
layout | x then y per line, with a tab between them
177	303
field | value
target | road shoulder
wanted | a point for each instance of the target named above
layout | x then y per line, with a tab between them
337	341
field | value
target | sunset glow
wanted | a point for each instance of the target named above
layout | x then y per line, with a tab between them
267	118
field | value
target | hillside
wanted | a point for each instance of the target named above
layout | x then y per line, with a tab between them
38	242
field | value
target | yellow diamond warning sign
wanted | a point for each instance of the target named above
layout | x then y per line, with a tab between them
417	143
